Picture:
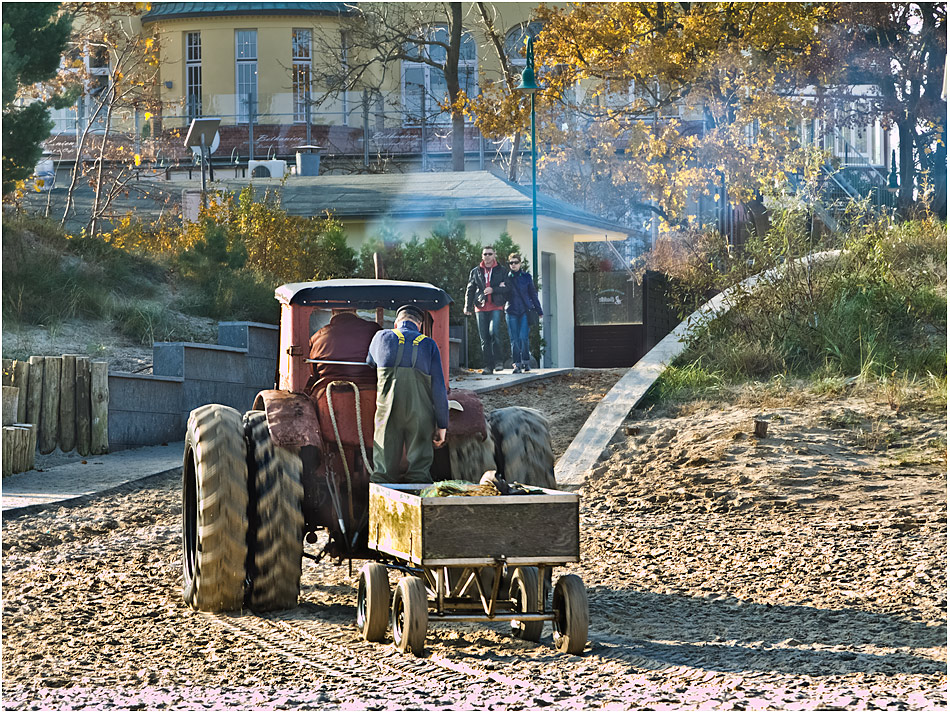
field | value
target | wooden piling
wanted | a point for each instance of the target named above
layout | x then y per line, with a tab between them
19	448
67	404
21	379
49	413
83	434
99	388
34	394
11	396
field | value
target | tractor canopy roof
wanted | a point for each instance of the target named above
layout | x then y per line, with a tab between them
363	294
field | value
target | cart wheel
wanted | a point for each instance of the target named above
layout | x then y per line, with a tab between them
410	615
524	593
372	602
571	616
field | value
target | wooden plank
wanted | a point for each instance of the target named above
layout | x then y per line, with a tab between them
592	439
99	409
395	523
49	411
34	393
523	530
67	404
21	379
83	406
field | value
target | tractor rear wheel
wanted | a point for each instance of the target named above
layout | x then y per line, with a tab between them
523	451
275	519
214	510
470	457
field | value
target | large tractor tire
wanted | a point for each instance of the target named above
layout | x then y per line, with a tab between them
523	450
470	457
275	519
214	510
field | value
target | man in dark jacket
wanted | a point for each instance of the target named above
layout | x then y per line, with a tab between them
412	406
487	293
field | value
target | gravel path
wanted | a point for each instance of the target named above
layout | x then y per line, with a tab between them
804	570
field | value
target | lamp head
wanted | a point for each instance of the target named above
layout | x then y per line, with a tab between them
528	82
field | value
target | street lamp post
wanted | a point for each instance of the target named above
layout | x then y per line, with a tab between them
201	135
530	85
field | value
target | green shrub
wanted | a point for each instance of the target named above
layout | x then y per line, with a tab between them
877	309
50	276
147	322
221	284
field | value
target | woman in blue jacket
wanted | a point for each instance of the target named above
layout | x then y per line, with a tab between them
522	299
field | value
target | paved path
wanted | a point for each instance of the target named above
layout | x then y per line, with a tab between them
86	476
81	477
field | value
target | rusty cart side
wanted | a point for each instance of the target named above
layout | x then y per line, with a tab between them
472	558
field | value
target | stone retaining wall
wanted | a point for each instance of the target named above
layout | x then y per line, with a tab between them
151	409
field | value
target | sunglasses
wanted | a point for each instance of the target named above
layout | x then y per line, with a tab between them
487	255
514	262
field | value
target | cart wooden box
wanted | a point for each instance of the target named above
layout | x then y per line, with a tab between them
473	530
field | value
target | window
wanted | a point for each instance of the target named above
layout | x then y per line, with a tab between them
245	81
193	74
515	41
301	73
420	79
94	60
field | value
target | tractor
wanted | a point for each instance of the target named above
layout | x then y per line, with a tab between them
256	486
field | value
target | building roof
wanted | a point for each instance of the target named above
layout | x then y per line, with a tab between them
418	195
176	10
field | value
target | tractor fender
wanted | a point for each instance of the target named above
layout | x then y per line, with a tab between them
291	418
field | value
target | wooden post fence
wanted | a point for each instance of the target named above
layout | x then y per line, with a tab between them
52	402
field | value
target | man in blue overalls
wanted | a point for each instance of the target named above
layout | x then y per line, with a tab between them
412	408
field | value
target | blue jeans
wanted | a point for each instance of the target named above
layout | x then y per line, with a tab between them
518	334
489	325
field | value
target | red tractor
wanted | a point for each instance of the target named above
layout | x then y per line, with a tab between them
255	487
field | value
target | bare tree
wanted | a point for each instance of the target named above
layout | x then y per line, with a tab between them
375	37
109	157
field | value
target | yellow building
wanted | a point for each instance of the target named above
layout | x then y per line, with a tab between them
266	70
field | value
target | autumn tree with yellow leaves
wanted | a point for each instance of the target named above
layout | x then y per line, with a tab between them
662	103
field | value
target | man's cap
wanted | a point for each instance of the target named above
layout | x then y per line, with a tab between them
412	311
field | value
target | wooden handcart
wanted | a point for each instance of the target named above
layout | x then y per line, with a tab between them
472	558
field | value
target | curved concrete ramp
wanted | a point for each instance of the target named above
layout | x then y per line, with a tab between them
590	442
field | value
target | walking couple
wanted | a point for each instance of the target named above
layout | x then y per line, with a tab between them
493	290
